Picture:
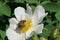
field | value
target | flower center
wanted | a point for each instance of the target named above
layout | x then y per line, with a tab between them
25	25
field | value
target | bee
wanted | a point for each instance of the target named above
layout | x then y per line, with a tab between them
20	25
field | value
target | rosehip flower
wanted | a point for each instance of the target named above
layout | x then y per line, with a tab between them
26	24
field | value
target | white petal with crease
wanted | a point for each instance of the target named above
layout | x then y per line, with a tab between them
40	11
29	33
38	29
29	10
41	18
13	23
19	13
39	14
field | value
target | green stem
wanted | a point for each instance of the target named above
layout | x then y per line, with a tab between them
39	2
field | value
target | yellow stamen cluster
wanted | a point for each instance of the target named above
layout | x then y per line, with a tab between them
27	25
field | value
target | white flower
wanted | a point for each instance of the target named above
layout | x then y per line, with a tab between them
30	23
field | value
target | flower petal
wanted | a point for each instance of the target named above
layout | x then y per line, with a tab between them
12	35
39	14
41	18
29	33
38	29
35	18
13	26
29	10
13	23
39	10
19	13
35	29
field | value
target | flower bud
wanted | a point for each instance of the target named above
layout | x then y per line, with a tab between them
42	38
55	33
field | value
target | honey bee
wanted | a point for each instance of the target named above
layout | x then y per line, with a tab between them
20	25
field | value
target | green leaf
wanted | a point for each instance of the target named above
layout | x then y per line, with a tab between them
1	14
45	2
58	26
0	39
6	0
45	33
33	8
50	27
47	30
32	1
57	15
58	38
19	1
49	21
58	1
35	37
52	7
3	34
6	27
5	9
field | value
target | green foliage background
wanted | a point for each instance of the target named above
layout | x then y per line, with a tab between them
51	22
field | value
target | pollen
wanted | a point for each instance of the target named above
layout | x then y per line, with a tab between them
27	25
